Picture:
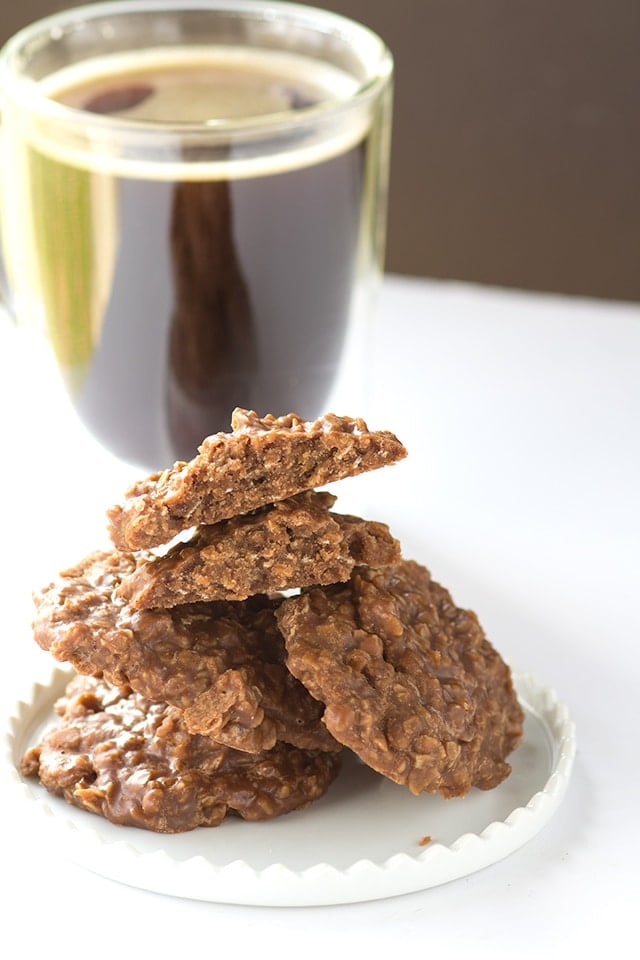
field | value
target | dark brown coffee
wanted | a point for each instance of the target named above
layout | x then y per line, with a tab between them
172	299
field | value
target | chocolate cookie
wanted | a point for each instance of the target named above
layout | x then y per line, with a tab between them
261	461
134	762
410	682
293	543
220	663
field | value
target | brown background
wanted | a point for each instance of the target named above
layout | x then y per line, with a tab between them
516	147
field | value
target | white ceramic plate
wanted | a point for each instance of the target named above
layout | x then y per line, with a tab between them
362	841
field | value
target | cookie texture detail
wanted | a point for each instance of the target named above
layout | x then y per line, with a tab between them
410	682
262	460
133	761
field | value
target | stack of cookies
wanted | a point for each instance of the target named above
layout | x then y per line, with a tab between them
241	634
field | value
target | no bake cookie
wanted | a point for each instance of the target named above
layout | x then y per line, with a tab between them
410	682
133	762
221	663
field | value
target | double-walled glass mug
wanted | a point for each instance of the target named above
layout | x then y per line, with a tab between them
193	208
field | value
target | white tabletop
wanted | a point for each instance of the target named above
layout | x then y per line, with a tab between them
521	493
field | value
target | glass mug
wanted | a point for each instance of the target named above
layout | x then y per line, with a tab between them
193	200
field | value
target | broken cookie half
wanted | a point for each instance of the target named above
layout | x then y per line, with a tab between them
262	460
282	546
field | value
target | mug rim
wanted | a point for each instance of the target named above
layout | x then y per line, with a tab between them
23	89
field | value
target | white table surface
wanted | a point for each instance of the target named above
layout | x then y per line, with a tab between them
521	492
